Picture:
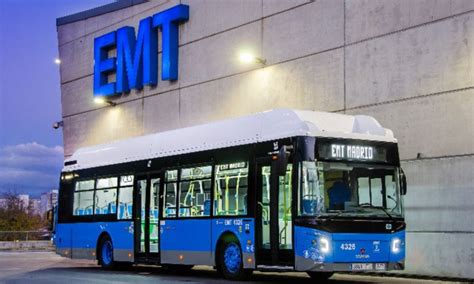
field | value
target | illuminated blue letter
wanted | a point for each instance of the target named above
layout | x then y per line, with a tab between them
168	22
134	72
103	65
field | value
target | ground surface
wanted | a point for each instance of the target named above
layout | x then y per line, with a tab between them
46	267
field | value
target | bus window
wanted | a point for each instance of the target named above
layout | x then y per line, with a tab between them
141	191
195	191
391	192
169	201
285	226
106	196
364	194
84	198
359	189
370	193
376	191
126	181
171	176
265	204
105	201
107	182
230	196
85	185
310	190
153	215
125	198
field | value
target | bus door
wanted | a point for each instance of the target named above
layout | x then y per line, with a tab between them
274	215
147	192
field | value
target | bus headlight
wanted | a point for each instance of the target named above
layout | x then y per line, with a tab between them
396	245
324	245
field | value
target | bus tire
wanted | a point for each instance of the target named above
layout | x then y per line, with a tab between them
320	276
230	263
106	253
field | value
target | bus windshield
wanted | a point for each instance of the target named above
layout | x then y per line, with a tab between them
349	189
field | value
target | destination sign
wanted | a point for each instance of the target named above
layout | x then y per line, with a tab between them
352	152
232	166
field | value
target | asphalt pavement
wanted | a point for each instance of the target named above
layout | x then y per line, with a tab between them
47	267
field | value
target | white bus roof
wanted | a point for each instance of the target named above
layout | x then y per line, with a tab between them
260	127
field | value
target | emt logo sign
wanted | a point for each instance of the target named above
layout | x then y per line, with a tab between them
136	63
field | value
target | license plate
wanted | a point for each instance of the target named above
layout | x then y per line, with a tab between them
380	266
362	266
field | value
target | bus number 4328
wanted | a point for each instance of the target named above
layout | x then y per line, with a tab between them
346	246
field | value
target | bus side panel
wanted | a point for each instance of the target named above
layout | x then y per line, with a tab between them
186	241
122	239
83	238
243	229
62	240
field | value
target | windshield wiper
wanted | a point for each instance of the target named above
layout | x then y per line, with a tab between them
332	217
368	205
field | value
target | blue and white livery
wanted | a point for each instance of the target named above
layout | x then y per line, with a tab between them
282	190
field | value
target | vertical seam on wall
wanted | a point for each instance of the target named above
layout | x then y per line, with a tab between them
143	113
261	32
179	83
344	55
179	108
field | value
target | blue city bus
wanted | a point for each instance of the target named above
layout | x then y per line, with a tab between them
281	190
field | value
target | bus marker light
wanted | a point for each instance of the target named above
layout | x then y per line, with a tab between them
324	242
396	245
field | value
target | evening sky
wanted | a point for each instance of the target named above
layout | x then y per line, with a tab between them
31	152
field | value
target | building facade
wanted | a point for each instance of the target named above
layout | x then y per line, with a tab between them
24	201
409	64
34	207
48	200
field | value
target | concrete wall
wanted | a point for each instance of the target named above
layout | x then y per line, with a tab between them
24	245
409	63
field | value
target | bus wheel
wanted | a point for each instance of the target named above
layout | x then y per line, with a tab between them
106	253
230	261
320	276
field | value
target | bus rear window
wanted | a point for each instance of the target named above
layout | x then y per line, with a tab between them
95	197
85	185
83	203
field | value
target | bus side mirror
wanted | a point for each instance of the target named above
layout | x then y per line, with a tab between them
282	161
403	183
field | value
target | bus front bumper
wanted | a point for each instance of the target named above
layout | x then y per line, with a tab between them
309	265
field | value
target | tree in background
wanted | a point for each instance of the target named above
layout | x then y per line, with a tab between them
15	216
